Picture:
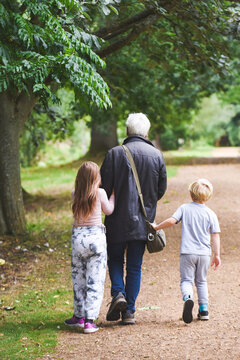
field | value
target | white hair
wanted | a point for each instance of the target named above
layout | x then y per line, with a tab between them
138	124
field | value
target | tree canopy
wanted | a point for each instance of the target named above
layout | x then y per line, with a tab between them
48	41
180	54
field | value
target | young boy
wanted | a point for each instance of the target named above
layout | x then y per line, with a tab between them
200	228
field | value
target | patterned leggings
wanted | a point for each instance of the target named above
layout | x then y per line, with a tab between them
88	267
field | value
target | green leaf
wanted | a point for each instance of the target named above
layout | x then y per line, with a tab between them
113	9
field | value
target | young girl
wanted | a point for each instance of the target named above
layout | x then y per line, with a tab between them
89	256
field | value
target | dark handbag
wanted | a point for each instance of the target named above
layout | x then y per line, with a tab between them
156	240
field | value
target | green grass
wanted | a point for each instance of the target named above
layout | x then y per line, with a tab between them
205	151
31	329
183	155
39	179
36	180
42	298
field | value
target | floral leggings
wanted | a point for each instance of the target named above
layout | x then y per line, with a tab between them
88	267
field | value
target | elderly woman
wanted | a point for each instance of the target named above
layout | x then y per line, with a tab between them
126	227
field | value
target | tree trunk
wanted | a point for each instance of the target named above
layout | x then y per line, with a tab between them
13	113
103	136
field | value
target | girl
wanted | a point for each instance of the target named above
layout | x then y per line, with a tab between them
89	256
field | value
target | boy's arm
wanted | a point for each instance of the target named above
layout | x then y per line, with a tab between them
165	224
215	240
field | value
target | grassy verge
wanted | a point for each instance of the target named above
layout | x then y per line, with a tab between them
187	156
39	179
54	180
33	310
204	151
31	330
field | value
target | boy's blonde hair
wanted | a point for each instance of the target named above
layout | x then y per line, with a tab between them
201	190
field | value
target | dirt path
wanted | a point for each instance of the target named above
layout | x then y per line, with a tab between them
160	333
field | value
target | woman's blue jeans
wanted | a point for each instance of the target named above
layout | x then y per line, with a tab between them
134	256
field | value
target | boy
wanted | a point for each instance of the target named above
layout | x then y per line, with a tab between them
200	228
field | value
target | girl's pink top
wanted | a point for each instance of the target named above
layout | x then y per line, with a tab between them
102	204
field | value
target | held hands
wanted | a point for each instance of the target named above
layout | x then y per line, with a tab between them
153	225
216	262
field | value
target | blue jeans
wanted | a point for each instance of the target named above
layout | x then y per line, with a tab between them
134	256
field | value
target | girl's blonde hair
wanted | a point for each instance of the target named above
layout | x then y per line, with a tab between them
87	182
201	190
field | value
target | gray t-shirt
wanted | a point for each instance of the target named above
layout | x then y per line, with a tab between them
198	221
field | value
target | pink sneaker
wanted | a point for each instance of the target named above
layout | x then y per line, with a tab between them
75	321
90	328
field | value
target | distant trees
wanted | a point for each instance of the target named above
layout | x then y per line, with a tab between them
162	58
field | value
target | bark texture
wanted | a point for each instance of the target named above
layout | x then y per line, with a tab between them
14	111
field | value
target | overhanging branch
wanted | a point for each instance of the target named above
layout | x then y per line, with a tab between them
118	28
137	30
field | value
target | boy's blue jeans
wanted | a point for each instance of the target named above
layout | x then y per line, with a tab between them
134	256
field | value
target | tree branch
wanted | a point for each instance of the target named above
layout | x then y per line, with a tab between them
137	30
118	28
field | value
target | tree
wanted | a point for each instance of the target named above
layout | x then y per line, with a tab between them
43	43
182	47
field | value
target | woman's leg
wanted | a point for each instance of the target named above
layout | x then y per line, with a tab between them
135	251
115	267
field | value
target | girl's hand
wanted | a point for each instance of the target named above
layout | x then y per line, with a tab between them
216	262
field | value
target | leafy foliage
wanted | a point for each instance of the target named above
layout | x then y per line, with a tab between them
54	123
48	41
181	57
210	122
233	130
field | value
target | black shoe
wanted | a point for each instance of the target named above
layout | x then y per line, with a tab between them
187	311
128	317
118	304
203	315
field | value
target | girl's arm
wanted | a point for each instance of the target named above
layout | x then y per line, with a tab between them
215	240
107	205
165	224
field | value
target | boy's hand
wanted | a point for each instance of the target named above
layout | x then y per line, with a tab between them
216	262
153	225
